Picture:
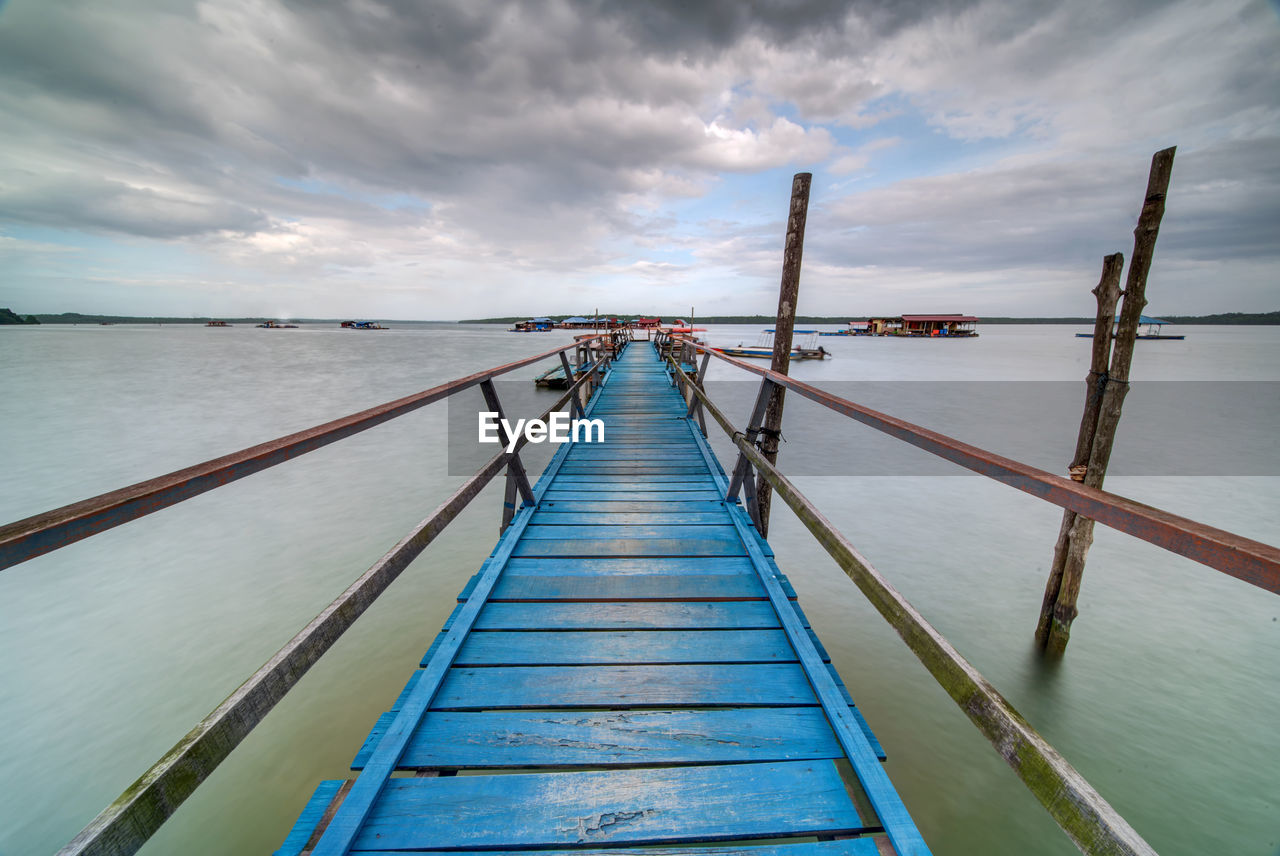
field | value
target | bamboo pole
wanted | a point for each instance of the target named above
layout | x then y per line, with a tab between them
783	328
1117	387
1107	292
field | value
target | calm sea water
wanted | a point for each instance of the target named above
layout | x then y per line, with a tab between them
113	648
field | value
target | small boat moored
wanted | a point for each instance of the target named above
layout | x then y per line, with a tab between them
806	349
1148	328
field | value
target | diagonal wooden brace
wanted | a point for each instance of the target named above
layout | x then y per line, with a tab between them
742	470
517	478
695	403
569	378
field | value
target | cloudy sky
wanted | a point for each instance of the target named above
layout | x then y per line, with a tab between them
460	159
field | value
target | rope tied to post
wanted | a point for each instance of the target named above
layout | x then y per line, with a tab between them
774	434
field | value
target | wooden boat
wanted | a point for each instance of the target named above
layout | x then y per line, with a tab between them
219	324
363	325
807	348
1148	328
276	325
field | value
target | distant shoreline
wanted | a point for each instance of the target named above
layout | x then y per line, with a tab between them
1227	318
1253	318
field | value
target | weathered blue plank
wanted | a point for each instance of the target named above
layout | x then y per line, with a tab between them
631	587
649	806
566	478
636	473
591	487
311	815
718	517
844	847
673	503
612	687
515	739
706	545
621	616
515	653
630	532
698	565
624	647
629	493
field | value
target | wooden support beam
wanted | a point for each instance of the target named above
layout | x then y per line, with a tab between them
784	325
517	478
1107	292
570	377
1064	610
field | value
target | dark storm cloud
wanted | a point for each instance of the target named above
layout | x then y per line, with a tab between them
554	134
1223	202
111	206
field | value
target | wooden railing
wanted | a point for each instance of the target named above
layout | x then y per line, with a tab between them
1091	822
126	824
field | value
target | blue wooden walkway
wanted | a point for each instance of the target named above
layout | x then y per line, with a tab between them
628	668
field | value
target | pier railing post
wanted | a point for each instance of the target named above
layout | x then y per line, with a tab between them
743	475
792	253
1055	629
1107	293
569	377
517	478
695	403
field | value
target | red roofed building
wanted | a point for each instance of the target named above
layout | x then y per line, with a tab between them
939	325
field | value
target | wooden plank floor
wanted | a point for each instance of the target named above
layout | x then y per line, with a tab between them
628	670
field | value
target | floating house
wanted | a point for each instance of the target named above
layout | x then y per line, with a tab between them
882	326
533	325
939	325
918	326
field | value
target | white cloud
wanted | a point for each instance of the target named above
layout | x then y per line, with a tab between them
560	141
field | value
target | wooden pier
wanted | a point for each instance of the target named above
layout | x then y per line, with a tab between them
628	668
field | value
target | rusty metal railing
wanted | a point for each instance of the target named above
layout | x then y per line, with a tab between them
34	536
1087	818
125	825
1252	561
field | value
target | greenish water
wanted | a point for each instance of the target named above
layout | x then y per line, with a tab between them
113	648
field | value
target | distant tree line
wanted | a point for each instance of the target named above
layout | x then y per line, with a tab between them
1223	318
8	316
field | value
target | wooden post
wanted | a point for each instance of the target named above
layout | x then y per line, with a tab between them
792	252
1107	292
1080	536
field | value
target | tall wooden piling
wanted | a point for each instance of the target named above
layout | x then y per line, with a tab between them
1107	293
1103	408
793	251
